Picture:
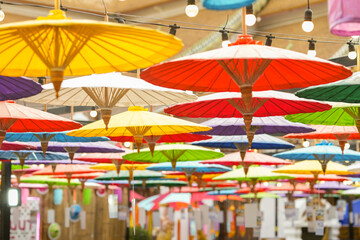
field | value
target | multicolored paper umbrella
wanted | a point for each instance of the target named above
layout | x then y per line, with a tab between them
241	142
340	133
82	177
58	46
244	66
226	4
324	152
110	90
333	186
174	153
51	162
264	125
227	105
251	158
13	88
6	146
139	123
18	118
50	181
173	138
190	169
130	175
145	182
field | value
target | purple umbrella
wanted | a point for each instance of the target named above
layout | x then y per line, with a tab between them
47	162
80	147
332	185
296	195
267	125
12	88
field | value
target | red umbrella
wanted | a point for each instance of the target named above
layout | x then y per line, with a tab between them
16	146
18	118
340	133
244	66
251	158
135	195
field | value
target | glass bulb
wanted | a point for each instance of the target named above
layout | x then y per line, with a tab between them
308	26
93	114
311	53
347	146
225	43
306	144
352	55
2	15
250	19
127	144
191	10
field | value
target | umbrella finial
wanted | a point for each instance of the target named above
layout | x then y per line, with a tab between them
342	145
71	152
173	164
138	142
151	140
53	167
117	163
246	168
44	140
57	76
106	116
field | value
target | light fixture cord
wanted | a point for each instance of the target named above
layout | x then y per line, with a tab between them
105	11
308	1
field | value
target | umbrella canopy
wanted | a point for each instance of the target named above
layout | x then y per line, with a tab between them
16	146
226	4
51	162
13	88
327	177
138	122
193	167
56	46
333	186
290	187
49	180
347	90
82	176
313	168
67	169
126	175
255	173
110	90
112	167
18	118
55	137
251	158
104	157
173	138
267	125
173	153
340	133
259	195
355	191
323	152
145	182
177	197
355	167
135	195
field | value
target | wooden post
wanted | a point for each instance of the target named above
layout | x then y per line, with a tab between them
5	209
72	112
244	30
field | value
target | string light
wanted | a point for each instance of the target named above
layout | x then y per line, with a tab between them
173	29
308	24
311	52
352	53
225	38
250	18
93	113
191	9
306	143
2	14
269	39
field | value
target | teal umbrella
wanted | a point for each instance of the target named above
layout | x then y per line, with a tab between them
347	90
126	175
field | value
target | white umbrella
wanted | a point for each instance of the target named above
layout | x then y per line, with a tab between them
110	90
355	167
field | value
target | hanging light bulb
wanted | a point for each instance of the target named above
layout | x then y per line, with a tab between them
225	38
308	24
2	14
191	9
311	52
352	53
93	113
347	146
306	143
250	18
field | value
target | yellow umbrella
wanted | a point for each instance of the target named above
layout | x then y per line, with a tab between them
112	167
56	46
139	123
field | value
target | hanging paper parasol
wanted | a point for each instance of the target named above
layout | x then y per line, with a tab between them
58	46
174	138
13	88
130	175
340	133
50	181
6	146
227	105
51	162
251	158
110	90
174	153
226	4
139	123
343	17
333	186
323	152
347	90
266	125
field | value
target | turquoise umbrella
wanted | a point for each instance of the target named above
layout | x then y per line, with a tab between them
226	4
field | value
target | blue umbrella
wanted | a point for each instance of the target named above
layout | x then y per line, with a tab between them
143	183
323	152
226	4
57	137
148	203
224	192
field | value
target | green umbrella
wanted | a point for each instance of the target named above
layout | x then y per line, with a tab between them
173	153
126	175
49	180
342	114
347	90
17	167
259	195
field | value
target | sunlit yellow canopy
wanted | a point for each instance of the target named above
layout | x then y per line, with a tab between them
313	167
56	46
112	167
138	122
206	176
